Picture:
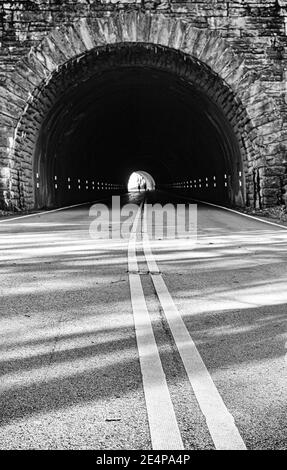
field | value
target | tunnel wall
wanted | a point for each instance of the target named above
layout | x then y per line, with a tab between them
47	114
244	42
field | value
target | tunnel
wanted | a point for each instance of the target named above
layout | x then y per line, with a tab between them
139	180
129	106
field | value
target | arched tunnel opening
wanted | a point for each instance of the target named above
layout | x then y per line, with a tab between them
137	106
141	180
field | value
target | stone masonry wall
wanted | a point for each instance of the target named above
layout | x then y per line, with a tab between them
254	29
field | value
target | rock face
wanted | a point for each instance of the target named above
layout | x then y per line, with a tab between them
240	46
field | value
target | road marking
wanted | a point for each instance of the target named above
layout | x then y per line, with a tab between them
47	212
164	431
220	422
240	213
53	210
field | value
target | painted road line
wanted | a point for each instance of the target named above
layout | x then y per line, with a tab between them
164	431
132	255
53	210
220	422
239	213
50	211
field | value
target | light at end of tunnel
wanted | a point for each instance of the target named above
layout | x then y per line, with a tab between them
141	181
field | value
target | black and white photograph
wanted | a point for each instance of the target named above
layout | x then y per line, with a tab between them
143	228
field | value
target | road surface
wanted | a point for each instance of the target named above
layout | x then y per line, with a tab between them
77	374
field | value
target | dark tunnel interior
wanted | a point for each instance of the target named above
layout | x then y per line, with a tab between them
130	117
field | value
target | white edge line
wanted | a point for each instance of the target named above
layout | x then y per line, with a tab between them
239	213
53	210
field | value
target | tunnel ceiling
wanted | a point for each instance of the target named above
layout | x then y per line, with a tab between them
135	106
132	118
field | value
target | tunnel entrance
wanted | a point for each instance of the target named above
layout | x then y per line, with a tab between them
140	180
129	106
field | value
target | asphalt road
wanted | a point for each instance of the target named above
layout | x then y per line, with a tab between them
70	370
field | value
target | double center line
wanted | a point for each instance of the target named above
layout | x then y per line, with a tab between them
164	430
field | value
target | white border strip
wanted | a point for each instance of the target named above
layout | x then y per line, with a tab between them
220	422
239	213
164	431
52	210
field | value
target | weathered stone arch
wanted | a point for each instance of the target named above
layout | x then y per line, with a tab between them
250	110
